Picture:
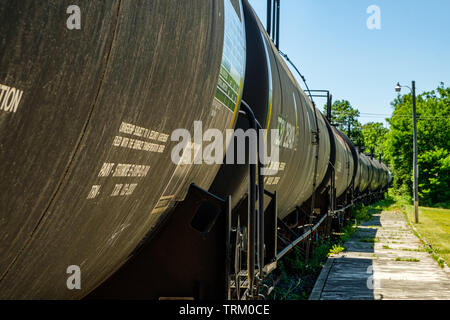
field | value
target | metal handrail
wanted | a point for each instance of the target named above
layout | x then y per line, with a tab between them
301	238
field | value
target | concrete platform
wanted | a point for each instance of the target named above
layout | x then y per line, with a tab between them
383	260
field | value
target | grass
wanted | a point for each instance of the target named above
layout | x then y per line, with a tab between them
434	227
347	232
336	249
296	276
413	250
407	259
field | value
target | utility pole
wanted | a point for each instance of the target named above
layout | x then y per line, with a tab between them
273	21
269	17
277	38
398	88
329	106
415	169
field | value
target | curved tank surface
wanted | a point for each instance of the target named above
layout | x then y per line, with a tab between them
364	166
87	138
344	164
278	103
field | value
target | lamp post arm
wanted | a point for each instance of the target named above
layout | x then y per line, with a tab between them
408	88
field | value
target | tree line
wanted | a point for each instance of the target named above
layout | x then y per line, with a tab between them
394	145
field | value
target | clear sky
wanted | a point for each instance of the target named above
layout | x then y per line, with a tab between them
330	43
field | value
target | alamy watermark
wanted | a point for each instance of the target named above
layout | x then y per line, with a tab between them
190	150
374	20
74	20
372	283
74	280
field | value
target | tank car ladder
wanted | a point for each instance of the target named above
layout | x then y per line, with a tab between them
250	241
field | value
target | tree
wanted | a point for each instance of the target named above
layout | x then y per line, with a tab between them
433	135
434	184
345	117
374	136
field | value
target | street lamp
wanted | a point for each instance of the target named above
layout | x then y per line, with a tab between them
398	88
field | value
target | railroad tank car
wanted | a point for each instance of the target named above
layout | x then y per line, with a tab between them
387	173
344	164
364	173
278	103
86	136
88	149
376	180
380	174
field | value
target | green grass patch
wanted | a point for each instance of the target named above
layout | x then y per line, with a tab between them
336	249
347	232
407	259
434	227
413	250
296	276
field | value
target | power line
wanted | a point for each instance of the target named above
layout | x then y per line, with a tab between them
299	73
380	115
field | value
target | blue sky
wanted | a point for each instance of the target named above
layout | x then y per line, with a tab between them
330	43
